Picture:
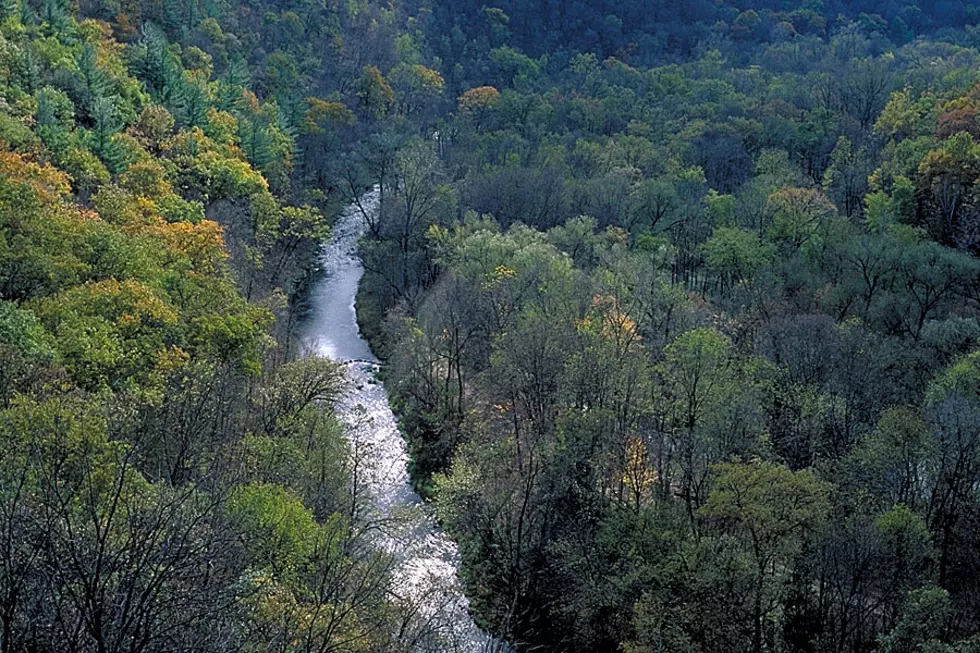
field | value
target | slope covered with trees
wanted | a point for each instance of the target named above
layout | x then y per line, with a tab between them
172	477
681	317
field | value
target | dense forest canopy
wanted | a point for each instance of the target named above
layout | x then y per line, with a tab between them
661	30
171	475
678	302
681	321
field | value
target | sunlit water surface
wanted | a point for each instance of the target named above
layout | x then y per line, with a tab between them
427	560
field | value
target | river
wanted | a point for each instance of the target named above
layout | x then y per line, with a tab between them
426	560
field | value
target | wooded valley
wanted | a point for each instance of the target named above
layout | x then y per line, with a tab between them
677	301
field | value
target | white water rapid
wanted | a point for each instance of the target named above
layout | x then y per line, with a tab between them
427	561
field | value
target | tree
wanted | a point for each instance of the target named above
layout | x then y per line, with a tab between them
24	347
281	532
92	79
55	117
539	197
416	197
653	204
722	154
845	179
374	92
774	509
477	103
735	255
699	374
433	363
81	526
923	620
906	550
797	215
416	87
929	276
896	457
946	178
952	406
959	115
105	125
904	117
865	88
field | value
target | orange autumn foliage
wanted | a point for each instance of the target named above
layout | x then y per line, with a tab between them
479	98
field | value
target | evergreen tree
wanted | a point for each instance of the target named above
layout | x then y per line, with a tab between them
93	83
105	124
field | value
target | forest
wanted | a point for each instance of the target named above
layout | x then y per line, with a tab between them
677	301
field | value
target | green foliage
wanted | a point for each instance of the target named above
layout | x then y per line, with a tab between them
620	250
960	379
735	254
21	331
157	442
748	254
798	215
282	530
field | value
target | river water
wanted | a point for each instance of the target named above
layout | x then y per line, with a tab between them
427	561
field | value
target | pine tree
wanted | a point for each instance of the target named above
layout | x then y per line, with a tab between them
160	68
28	16
255	142
193	110
238	73
92	80
54	117
27	70
235	81
9	9
288	127
106	123
56	15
